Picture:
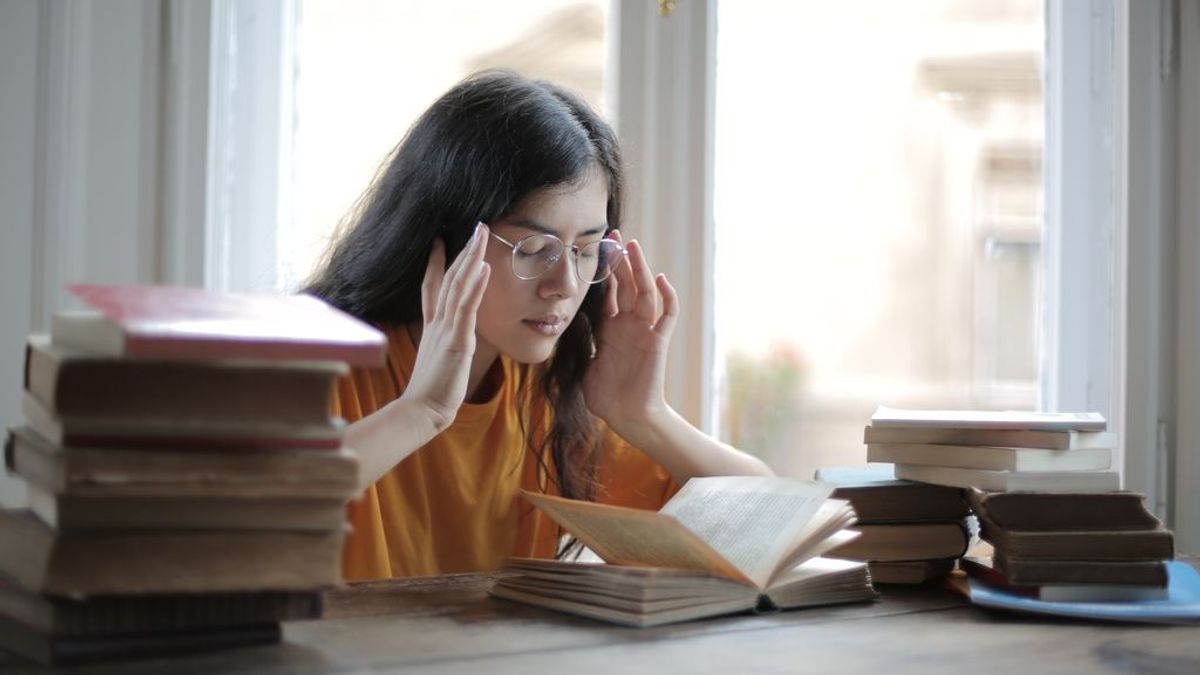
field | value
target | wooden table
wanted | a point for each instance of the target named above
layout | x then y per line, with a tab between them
449	625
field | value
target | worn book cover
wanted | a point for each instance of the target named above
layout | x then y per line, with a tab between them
153	472
1042	571
910	572
172	322
990	457
178	433
105	615
720	545
896	542
1182	604
1002	481
988	419
76	384
1008	438
111	562
1056	511
879	497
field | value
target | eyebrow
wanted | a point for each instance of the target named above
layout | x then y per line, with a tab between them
544	229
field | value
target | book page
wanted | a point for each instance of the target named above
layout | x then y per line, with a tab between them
753	522
623	536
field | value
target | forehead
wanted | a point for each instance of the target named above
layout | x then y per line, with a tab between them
566	210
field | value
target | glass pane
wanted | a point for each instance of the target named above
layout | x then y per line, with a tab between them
367	68
878	200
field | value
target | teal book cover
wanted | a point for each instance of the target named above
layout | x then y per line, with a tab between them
1182	604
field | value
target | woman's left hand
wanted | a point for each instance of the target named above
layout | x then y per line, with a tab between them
624	383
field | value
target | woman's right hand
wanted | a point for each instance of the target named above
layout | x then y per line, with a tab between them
449	304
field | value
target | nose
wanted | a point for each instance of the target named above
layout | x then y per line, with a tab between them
561	280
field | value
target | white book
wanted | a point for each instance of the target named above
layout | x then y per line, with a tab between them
1012	481
992	458
1007	438
989	419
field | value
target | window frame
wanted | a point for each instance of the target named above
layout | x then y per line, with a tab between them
1110	342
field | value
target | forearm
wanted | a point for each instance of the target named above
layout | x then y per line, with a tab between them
383	439
686	452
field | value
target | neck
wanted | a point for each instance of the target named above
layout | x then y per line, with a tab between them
481	364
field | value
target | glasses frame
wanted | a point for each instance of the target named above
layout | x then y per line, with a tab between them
573	248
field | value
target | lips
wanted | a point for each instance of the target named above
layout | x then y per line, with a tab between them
549	324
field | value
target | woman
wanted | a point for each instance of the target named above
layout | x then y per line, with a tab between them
534	361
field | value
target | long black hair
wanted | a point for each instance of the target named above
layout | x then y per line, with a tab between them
472	156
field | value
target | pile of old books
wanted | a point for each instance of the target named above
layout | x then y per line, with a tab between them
186	483
911	533
1063	546
1000	451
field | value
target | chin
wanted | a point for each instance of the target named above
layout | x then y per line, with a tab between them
531	354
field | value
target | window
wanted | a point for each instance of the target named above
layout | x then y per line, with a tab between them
365	70
877	207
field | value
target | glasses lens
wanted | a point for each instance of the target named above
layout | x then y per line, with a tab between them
535	254
598	259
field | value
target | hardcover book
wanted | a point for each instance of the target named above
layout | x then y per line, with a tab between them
178	434
991	458
1010	438
168	322
1182	604
879	497
77	384
1059	511
1030	481
720	545
107	615
1037	571
988	419
113	562
895	542
313	474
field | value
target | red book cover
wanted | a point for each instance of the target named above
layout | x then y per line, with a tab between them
172	322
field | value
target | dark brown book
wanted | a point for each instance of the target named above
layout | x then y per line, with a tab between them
77	384
1031	571
180	434
1079	544
1059	511
910	572
87	510
983	569
879	497
310	474
905	541
113	562
100	616
50	649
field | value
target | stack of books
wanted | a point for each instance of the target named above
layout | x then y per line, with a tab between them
997	451
911	533
186	482
1061	546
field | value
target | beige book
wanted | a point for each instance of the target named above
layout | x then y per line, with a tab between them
720	545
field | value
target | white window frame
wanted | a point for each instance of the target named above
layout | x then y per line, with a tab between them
1113	330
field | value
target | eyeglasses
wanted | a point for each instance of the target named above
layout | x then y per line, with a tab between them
534	255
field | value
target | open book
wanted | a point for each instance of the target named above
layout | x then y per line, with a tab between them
720	545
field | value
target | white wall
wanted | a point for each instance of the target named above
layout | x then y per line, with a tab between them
80	157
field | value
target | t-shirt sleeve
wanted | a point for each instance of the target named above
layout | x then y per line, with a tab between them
628	477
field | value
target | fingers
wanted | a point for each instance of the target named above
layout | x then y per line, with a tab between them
646	302
468	309
666	322
462	273
626	286
431	285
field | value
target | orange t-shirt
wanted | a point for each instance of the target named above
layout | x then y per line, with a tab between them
453	505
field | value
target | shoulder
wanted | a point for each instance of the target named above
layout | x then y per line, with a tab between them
365	390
